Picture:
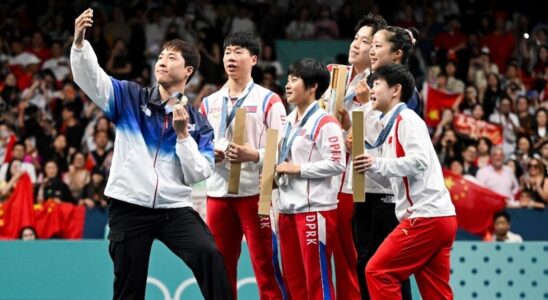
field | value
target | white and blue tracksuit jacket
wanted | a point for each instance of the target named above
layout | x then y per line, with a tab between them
150	166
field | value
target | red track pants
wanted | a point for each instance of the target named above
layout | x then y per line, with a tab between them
418	246
306	246
229	219
344	252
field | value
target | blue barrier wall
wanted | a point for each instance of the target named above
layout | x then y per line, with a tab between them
82	270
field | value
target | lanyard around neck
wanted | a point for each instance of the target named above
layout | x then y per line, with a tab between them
226	120
288	142
386	130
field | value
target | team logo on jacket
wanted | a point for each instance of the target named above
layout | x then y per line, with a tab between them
389	140
191	127
302	132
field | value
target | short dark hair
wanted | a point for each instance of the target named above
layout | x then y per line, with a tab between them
245	40
188	51
311	72
397	74
376	22
503	214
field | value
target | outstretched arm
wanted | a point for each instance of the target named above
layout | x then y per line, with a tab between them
86	70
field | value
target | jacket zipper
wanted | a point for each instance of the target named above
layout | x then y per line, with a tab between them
164	128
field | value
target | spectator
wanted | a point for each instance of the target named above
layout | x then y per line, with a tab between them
242	21
211	66
540	125
498	177
524	115
524	150
118	63
452	40
268	60
454	85
301	28
443	125
8	184
117	28
52	187
469	100
456	167
94	192
325	27
534	186
449	148
58	63
9	93
492	94
59	152
28	233
77	176
72	127
500	42
102	150
478	113
38	47
18	153
469	157
31	155
542	150
479	69
509	122
516	168
502	233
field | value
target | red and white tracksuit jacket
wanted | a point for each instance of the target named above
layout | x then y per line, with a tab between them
307	204
230	217
319	150
421	243
264	110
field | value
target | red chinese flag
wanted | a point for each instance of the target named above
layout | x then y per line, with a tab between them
436	101
17	212
475	205
72	218
48	220
59	220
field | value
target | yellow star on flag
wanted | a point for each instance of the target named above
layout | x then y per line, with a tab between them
434	115
449	183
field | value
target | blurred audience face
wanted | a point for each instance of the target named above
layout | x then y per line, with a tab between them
502	226
524	145
28	234
483	147
470	154
471	94
541	118
18	151
51	170
523	105
15	167
456	167
79	160
497	157
358	54
60	143
505	106
544	151
478	112
534	167
101	139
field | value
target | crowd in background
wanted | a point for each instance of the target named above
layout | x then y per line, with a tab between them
492	53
